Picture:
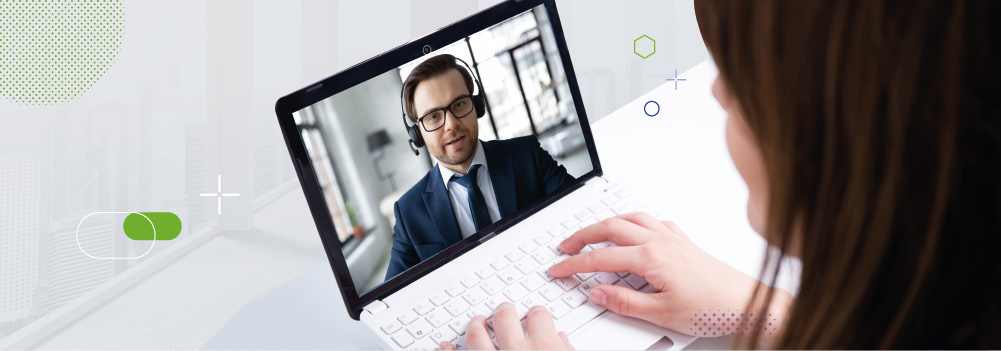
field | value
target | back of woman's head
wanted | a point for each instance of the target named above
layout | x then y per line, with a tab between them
880	127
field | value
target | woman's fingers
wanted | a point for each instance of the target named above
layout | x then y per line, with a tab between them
609	259
445	345
507	327
627	302
477	337
539	323
619	231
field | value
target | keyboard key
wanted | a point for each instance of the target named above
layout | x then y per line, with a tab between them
532	300
439	299
556	232
568	283
585	276
469	282
492	286
588	222
460	343
585	249
509	276
514	256
603	215
522	313
438	318
516	293
454	290
558	309
443	334
636	281
423	308
533	282
456	307
595	208
542	239
582	215
623	193
570	223
609	201
555	247
392	327
551	292
527	248
600	245
606	278
499	264
485	272
420	329
403	340
624	207
407	318
574	299
493	302
474	296
543	256
560	258
526	266
585	287
481	310
423	345
545	275
622	274
647	289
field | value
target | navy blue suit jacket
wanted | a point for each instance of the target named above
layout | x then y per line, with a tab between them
520	171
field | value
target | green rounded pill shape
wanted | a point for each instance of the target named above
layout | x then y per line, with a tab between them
137	227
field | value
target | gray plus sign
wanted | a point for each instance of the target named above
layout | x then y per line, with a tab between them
675	79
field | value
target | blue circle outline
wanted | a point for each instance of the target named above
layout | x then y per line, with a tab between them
655	113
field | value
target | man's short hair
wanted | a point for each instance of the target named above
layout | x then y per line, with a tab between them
428	69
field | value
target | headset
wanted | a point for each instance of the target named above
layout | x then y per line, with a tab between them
416	139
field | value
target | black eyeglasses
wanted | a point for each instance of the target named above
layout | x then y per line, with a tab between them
434	120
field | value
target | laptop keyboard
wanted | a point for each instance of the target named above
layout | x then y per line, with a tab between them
519	276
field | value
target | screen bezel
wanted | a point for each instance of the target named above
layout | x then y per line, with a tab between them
381	64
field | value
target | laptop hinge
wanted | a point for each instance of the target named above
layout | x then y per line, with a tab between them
375	307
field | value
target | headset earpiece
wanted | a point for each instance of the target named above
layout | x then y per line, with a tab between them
415	136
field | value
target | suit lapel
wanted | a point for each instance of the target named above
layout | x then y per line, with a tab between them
440	207
501	167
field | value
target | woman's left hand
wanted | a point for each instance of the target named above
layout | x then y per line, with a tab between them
541	333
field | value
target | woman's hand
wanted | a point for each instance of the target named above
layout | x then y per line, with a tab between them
540	334
686	281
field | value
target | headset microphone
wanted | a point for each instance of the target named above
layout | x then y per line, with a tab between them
416	139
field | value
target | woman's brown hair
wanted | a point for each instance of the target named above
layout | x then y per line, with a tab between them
880	127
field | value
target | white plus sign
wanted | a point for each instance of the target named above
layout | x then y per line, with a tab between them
219	194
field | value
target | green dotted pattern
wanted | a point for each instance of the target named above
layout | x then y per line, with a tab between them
54	51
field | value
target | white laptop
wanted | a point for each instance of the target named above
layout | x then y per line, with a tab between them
413	260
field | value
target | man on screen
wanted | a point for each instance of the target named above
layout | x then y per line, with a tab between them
475	182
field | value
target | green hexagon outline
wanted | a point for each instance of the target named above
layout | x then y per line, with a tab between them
654	46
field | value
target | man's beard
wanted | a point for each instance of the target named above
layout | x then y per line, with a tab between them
455	159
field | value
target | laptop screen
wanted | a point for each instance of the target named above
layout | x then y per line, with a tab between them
495	127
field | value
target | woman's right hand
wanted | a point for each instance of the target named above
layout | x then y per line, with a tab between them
686	281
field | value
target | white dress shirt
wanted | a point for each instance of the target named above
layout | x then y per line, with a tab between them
457	193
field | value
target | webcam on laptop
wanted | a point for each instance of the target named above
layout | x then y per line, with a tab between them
427	49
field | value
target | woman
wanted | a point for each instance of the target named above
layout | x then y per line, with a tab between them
870	140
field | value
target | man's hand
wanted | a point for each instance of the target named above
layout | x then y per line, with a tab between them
685	279
541	333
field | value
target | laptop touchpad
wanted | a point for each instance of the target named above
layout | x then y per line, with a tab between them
611	331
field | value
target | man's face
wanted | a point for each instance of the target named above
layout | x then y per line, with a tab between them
455	142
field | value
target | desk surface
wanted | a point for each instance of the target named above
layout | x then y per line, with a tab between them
677	158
